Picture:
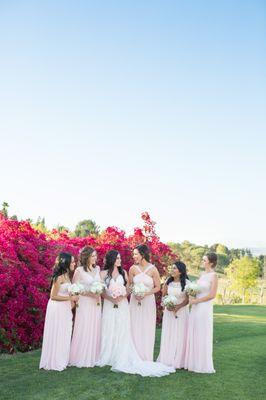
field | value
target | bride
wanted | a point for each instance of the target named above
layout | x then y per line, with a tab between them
117	348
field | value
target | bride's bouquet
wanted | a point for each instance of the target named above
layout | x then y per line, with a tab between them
192	289
116	290
139	290
97	287
76	289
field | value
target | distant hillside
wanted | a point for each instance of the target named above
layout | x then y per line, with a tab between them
258	251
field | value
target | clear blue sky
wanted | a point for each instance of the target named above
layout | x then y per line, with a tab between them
111	108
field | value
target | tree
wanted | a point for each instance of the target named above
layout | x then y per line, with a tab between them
40	225
221	249
86	227
62	228
4	210
243	274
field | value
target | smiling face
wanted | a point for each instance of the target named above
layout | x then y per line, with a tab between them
93	258
137	256
206	264
118	261
175	273
72	264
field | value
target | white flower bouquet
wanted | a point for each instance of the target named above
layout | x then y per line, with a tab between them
76	289
97	287
192	289
139	290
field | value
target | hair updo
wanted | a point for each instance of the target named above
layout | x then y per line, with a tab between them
212	257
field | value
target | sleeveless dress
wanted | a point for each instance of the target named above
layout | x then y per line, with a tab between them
143	317
174	330
200	332
57	333
117	348
85	345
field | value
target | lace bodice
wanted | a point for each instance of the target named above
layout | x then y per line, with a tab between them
204	283
174	289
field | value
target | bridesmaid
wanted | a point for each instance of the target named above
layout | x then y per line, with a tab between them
58	319
85	346
143	309
200	334
175	322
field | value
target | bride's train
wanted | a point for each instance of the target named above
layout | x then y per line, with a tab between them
117	348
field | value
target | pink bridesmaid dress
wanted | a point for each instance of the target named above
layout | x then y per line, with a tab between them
174	331
143	317
57	333
200	332
85	345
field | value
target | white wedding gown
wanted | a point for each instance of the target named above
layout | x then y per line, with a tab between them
117	348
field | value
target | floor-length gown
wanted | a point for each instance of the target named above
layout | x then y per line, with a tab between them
200	332
143	317
117	348
174	330
57	333
85	345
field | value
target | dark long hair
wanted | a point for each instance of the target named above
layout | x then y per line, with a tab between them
109	264
144	251
62	266
183	274
84	256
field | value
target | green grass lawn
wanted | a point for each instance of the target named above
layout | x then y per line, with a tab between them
239	358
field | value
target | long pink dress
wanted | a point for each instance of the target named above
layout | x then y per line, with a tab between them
200	333
85	345
143	317
57	333
174	331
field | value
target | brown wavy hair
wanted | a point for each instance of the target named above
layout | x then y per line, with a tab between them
212	257
84	257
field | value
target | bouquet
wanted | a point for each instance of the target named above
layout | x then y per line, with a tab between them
192	289
170	302
76	289
139	290
117	290
97	288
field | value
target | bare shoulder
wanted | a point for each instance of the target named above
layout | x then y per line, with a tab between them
103	273
154	270
132	269
215	276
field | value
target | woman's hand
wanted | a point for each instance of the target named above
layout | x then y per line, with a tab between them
170	308
94	296
139	298
176	308
192	300
74	297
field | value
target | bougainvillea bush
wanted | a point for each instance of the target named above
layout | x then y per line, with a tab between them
26	260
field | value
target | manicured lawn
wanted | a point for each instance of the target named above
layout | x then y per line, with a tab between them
239	356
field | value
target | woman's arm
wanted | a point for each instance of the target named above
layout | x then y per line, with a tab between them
104	294
130	275
128	284
54	292
157	282
210	296
183	304
164	290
